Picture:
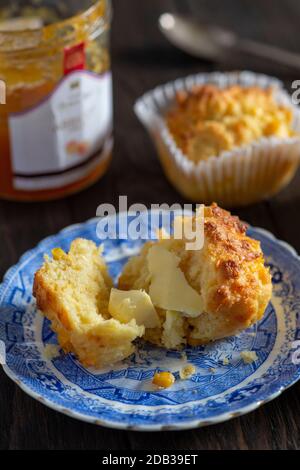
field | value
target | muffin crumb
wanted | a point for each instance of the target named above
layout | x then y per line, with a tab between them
163	379
249	356
187	371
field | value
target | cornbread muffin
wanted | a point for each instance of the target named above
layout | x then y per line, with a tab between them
72	290
228	276
210	120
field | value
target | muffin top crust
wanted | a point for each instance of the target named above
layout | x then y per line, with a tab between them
209	120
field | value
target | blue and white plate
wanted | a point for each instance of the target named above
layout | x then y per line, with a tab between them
223	386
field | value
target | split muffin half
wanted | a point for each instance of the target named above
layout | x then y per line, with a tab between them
72	290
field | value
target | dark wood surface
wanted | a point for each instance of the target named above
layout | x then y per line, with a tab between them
142	59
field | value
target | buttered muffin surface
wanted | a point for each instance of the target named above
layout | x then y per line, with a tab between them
210	120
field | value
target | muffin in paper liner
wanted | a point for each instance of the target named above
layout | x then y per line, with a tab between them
241	176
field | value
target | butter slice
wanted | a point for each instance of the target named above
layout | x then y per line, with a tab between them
133	304
169	288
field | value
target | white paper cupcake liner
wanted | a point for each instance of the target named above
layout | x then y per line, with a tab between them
238	177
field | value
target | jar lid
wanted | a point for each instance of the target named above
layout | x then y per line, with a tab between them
25	27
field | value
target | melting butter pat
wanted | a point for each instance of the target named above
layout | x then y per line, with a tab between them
133	304
169	288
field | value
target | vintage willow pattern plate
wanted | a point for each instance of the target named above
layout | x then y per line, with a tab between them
124	397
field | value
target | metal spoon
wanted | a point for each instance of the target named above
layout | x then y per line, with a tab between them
214	42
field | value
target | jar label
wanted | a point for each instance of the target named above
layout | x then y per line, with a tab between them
63	138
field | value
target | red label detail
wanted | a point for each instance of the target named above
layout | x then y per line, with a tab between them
74	58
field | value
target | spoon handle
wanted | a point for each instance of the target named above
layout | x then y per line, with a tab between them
265	51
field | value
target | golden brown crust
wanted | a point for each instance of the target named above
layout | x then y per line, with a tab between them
210	120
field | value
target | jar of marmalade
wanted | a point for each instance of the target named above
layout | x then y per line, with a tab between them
56	123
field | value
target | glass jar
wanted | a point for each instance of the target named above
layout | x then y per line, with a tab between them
56	125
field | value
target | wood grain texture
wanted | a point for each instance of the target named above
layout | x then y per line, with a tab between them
142	59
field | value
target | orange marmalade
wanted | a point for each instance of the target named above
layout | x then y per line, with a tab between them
56	123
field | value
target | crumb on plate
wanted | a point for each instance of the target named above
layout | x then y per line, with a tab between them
186	372
51	351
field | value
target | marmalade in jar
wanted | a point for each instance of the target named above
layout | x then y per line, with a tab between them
56	123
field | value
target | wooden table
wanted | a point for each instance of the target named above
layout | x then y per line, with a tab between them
141	60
